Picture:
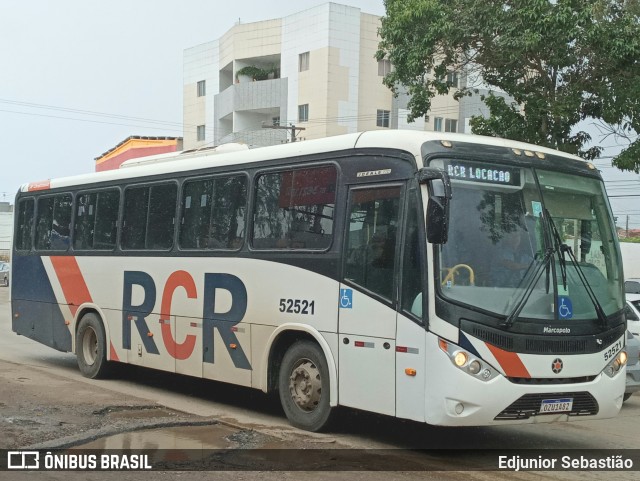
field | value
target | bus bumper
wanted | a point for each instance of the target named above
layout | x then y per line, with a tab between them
455	398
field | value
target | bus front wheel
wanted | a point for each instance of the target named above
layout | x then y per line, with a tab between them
91	348
303	385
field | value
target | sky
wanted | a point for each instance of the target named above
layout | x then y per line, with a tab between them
79	76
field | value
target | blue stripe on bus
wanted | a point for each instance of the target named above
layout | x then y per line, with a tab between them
467	346
35	305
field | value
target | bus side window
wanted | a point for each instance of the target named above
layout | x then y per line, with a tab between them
25	224
134	217
371	239
96	223
149	217
294	209
213	213
53	222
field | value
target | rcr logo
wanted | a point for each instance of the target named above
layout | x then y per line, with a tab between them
23	460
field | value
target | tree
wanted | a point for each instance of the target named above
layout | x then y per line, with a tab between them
561	61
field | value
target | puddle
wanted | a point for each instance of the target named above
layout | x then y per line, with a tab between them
134	412
216	436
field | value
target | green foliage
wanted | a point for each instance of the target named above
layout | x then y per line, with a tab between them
561	61
631	240
256	73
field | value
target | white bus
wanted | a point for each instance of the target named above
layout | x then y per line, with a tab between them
450	279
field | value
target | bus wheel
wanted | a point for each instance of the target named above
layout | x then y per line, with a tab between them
91	347
303	384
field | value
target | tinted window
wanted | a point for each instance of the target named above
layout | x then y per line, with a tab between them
294	209
149	217
24	227
371	238
412	261
213	213
53	222
96	220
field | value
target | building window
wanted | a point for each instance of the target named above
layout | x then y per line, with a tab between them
437	124
450	125
303	62
452	79
275	120
200	133
382	118
202	89
384	67
303	113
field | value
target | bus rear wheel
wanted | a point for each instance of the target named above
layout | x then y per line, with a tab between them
303	384
91	347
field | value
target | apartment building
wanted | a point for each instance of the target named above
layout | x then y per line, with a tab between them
314	70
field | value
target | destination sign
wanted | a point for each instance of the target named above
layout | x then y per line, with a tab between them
488	174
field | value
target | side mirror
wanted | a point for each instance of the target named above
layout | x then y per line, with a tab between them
438	205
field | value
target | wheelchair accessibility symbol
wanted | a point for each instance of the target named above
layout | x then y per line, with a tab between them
565	307
346	298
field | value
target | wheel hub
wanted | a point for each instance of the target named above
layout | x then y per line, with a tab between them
305	385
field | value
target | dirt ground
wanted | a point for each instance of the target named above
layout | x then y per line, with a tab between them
40	409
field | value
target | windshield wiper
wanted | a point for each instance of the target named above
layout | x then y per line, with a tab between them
545	264
542	264
561	248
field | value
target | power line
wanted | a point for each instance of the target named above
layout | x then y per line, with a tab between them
88	112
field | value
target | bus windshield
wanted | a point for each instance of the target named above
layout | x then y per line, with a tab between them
534	243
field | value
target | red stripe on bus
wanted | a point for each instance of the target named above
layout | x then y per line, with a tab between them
113	355
71	280
510	362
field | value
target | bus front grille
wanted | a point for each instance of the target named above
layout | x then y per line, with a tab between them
584	404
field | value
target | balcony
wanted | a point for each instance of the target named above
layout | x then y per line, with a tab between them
259	95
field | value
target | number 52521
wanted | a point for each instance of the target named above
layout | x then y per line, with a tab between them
297	306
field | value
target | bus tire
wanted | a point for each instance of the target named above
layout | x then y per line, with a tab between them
91	347
303	384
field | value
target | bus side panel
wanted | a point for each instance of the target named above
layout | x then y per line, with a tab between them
35	311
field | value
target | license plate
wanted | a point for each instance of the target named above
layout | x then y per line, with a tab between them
550	406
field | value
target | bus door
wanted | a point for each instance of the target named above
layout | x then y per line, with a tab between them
367	319
410	332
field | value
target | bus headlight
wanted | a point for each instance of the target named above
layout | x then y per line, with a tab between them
616	364
467	362
460	358
475	366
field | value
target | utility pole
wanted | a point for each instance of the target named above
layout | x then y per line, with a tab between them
291	127
627	225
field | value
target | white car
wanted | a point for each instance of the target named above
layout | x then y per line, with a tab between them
632	286
632	311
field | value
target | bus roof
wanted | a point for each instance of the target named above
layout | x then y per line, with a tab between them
407	140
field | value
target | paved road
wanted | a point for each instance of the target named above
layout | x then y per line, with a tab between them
253	409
